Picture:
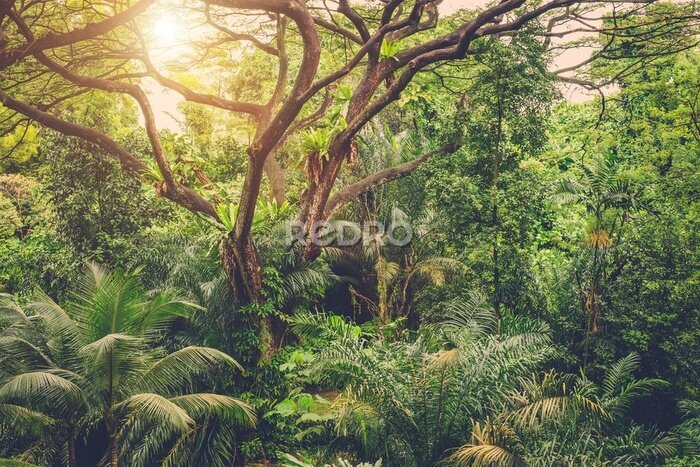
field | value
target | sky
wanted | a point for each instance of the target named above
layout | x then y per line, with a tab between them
167	28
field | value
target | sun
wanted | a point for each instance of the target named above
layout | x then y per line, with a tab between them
166	30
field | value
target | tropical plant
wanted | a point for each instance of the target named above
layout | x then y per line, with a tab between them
410	402
688	431
96	365
288	460
608	199
389	49
569	420
397	272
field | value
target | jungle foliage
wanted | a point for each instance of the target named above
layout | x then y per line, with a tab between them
546	310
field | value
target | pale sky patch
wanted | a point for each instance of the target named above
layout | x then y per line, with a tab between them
168	33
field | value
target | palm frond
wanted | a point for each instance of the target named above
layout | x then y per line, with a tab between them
107	346
20	419
620	373
44	389
58	321
689	408
437	269
108	302
22	353
567	191
660	445
159	409
176	372
322	325
473	313
162	309
550	398
301	281
493	444
228	408
10	312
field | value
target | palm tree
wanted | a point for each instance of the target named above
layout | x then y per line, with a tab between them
396	273
96	364
608	199
688	431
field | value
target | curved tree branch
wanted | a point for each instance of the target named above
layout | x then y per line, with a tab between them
127	160
331	26
90	31
235	36
199	98
353	191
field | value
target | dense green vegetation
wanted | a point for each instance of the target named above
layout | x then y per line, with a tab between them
546	310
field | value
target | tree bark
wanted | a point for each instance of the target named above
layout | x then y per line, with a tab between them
315	198
112	436
71	445
243	269
276	178
113	450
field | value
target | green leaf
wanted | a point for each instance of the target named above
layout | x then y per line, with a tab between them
227	214
389	49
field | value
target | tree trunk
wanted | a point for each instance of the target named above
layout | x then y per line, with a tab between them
112	441
71	445
113	450
275	177
243	268
244	272
494	216
315	199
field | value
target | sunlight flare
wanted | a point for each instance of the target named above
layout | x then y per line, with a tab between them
167	30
